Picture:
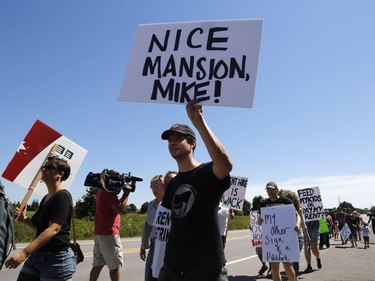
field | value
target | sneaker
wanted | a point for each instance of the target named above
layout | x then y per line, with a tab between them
319	263
308	269
263	269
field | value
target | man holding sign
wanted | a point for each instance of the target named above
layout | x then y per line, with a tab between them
274	200
194	249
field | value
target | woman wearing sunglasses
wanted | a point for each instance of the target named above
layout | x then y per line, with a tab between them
48	256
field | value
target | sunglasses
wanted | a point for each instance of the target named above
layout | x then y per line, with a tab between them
47	167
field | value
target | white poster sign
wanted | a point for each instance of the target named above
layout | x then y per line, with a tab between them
256	229
33	150
234	197
279	239
312	204
345	232
215	62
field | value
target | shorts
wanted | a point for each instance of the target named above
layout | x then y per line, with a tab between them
314	235
50	266
107	251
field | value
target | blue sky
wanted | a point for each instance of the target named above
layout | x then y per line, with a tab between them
312	123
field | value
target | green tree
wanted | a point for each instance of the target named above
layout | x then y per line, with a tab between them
282	192
85	207
33	206
256	202
346	205
133	208
144	208
246	208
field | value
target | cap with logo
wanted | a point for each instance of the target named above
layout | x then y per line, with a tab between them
178	128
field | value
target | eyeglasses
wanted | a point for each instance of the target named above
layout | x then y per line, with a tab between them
47	167
156	186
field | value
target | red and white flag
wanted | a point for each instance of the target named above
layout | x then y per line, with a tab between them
33	150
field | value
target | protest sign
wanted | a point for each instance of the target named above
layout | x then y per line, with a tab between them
35	147
312	204
279	239
214	62
256	229
233	198
162	225
345	232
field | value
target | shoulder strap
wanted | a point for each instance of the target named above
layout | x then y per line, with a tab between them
73	215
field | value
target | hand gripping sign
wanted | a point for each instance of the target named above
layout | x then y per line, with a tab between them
41	142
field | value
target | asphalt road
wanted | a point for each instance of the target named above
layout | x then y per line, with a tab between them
340	262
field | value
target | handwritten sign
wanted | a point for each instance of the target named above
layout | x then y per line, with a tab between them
214	62
233	198
312	204
279	239
345	232
256	229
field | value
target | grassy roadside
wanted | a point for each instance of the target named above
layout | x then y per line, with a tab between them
131	226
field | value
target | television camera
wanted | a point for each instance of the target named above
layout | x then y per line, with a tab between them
111	181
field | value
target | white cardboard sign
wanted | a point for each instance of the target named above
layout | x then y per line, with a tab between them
256	229
215	62
279	239
233	198
33	150
312	204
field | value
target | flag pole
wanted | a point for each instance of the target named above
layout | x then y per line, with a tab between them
36	179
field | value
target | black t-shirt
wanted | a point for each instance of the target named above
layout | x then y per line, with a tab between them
194	241
280	201
57	209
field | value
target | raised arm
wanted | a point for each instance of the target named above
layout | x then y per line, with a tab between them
120	207
222	163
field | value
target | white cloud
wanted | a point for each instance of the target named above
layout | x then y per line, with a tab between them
355	189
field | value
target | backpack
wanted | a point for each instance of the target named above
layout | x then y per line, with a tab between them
7	240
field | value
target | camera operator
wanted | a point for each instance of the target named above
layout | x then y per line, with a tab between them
107	247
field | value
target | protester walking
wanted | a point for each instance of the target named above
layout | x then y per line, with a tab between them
194	249
292	196
324	233
275	200
366	236
107	242
49	256
311	246
149	232
162	226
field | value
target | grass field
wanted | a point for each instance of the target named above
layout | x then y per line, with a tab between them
131	226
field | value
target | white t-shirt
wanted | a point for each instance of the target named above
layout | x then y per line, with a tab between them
223	216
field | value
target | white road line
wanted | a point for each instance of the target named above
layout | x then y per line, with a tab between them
255	256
